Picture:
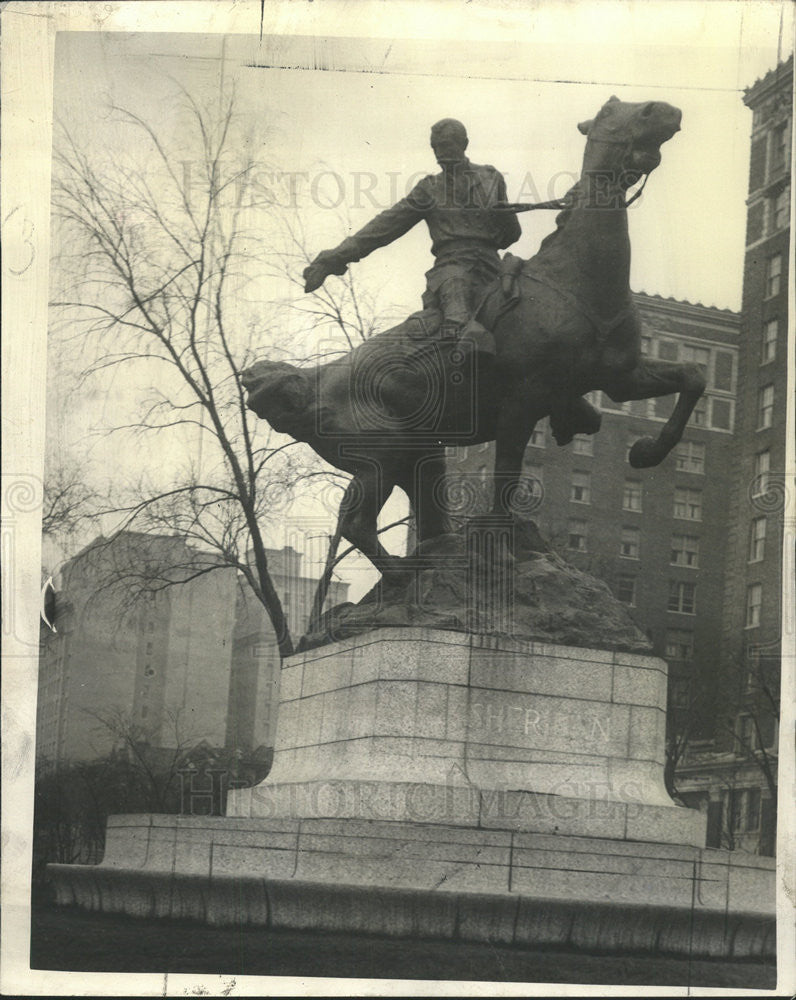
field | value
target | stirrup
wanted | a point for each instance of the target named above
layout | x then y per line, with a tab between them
479	337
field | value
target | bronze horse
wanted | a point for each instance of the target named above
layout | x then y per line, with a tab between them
386	411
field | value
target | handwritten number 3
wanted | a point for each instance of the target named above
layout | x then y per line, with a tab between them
26	241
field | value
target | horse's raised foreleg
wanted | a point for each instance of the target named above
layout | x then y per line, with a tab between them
659	378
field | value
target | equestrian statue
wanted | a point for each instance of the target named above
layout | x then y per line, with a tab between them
496	348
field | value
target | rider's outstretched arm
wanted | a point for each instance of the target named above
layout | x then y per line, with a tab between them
386	227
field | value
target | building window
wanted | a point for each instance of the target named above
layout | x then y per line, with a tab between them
743	810
765	407
721	414
630	543
779	148
699	415
745	734
668	350
757	539
688	504
583	444
457	454
685	551
699	356
690	456
780	211
537	437
626	590
770	334
577	536
150	626
631	495
755	221
762	468
580	490
149	648
754	601
646	346
532	475
682	597
663	406
679	644
723	371
773	275
680	691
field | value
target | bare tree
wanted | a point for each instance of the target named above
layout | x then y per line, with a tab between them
154	760
340	305
68	502
751	719
167	261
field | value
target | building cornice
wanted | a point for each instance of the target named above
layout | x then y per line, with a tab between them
724	321
768	84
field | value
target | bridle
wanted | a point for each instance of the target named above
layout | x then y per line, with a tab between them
560	204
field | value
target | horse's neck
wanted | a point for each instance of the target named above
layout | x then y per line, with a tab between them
590	255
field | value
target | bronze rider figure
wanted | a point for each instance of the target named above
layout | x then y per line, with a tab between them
459	205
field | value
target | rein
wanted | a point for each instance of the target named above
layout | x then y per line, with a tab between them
560	203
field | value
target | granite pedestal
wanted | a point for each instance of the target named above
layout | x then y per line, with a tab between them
437	783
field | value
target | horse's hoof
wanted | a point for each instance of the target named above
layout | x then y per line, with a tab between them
645	452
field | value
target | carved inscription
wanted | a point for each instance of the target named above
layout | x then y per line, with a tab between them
514	720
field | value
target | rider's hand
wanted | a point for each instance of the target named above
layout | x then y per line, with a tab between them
319	270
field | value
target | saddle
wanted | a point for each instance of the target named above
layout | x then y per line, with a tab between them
426	325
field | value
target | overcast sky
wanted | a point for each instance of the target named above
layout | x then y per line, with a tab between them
687	231
353	123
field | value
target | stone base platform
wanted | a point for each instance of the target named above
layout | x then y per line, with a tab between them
433	726
440	784
435	881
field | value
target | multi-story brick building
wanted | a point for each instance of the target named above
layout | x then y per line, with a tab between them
656	536
738	779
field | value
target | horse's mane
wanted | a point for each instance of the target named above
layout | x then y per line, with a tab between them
570	199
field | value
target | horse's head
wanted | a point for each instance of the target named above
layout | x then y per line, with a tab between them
280	393
625	139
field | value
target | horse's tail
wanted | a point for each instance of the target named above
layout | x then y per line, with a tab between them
278	392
